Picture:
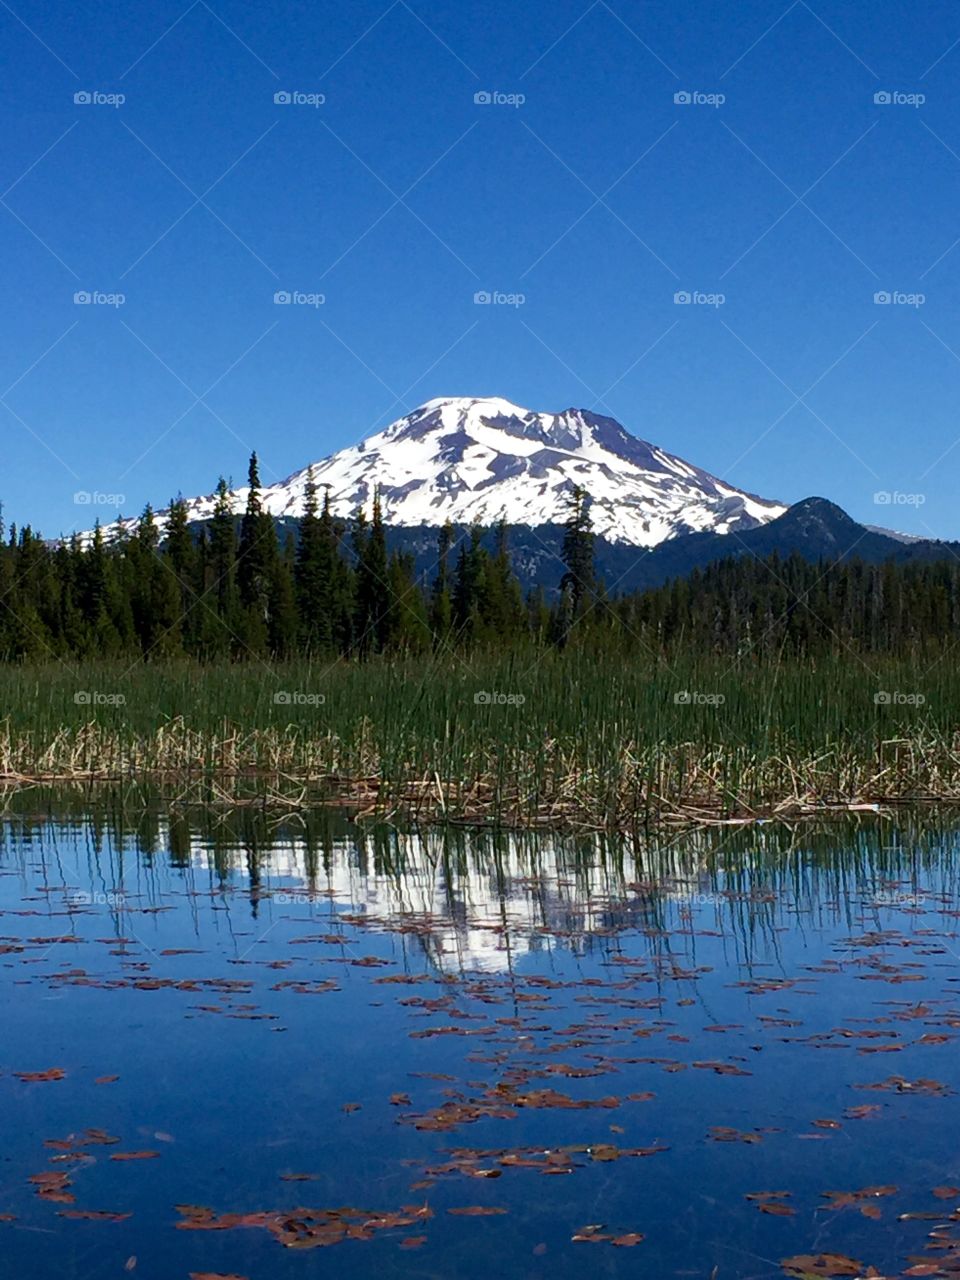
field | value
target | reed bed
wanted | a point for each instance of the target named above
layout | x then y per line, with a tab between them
526	739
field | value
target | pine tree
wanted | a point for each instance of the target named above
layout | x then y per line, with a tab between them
441	604
577	586
220	588
505	599
343	590
180	557
283	627
314	573
256	566
470	589
409	627
373	604
577	551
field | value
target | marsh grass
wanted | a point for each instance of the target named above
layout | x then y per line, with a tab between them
560	737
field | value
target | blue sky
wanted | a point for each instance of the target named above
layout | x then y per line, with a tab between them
597	198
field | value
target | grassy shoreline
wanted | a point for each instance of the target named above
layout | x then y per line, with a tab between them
527	739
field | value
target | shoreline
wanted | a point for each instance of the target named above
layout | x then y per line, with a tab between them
429	801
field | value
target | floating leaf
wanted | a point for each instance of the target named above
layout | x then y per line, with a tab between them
93	1215
477	1211
215	1275
821	1264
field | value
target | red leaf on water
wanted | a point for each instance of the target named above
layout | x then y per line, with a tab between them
477	1211
93	1215
214	1275
861	1112
821	1264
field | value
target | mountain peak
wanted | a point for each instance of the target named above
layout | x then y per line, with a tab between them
822	515
495	404
481	458
470	459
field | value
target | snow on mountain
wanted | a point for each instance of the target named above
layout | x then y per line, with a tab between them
467	460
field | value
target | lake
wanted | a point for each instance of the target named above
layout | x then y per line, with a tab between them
240	1044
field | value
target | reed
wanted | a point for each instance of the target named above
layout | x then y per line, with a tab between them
521	738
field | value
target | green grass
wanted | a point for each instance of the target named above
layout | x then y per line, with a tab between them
595	738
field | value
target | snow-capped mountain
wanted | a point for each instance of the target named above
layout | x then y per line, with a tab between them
468	460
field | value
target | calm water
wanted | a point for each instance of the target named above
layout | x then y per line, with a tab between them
343	1038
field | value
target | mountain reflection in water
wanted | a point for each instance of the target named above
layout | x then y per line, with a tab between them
230	1037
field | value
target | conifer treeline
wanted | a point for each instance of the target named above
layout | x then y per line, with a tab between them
228	591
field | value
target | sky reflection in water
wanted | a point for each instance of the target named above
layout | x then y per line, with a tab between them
341	1037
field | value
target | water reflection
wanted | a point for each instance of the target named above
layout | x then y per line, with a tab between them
484	900
578	1041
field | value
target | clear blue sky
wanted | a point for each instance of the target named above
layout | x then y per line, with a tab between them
399	198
